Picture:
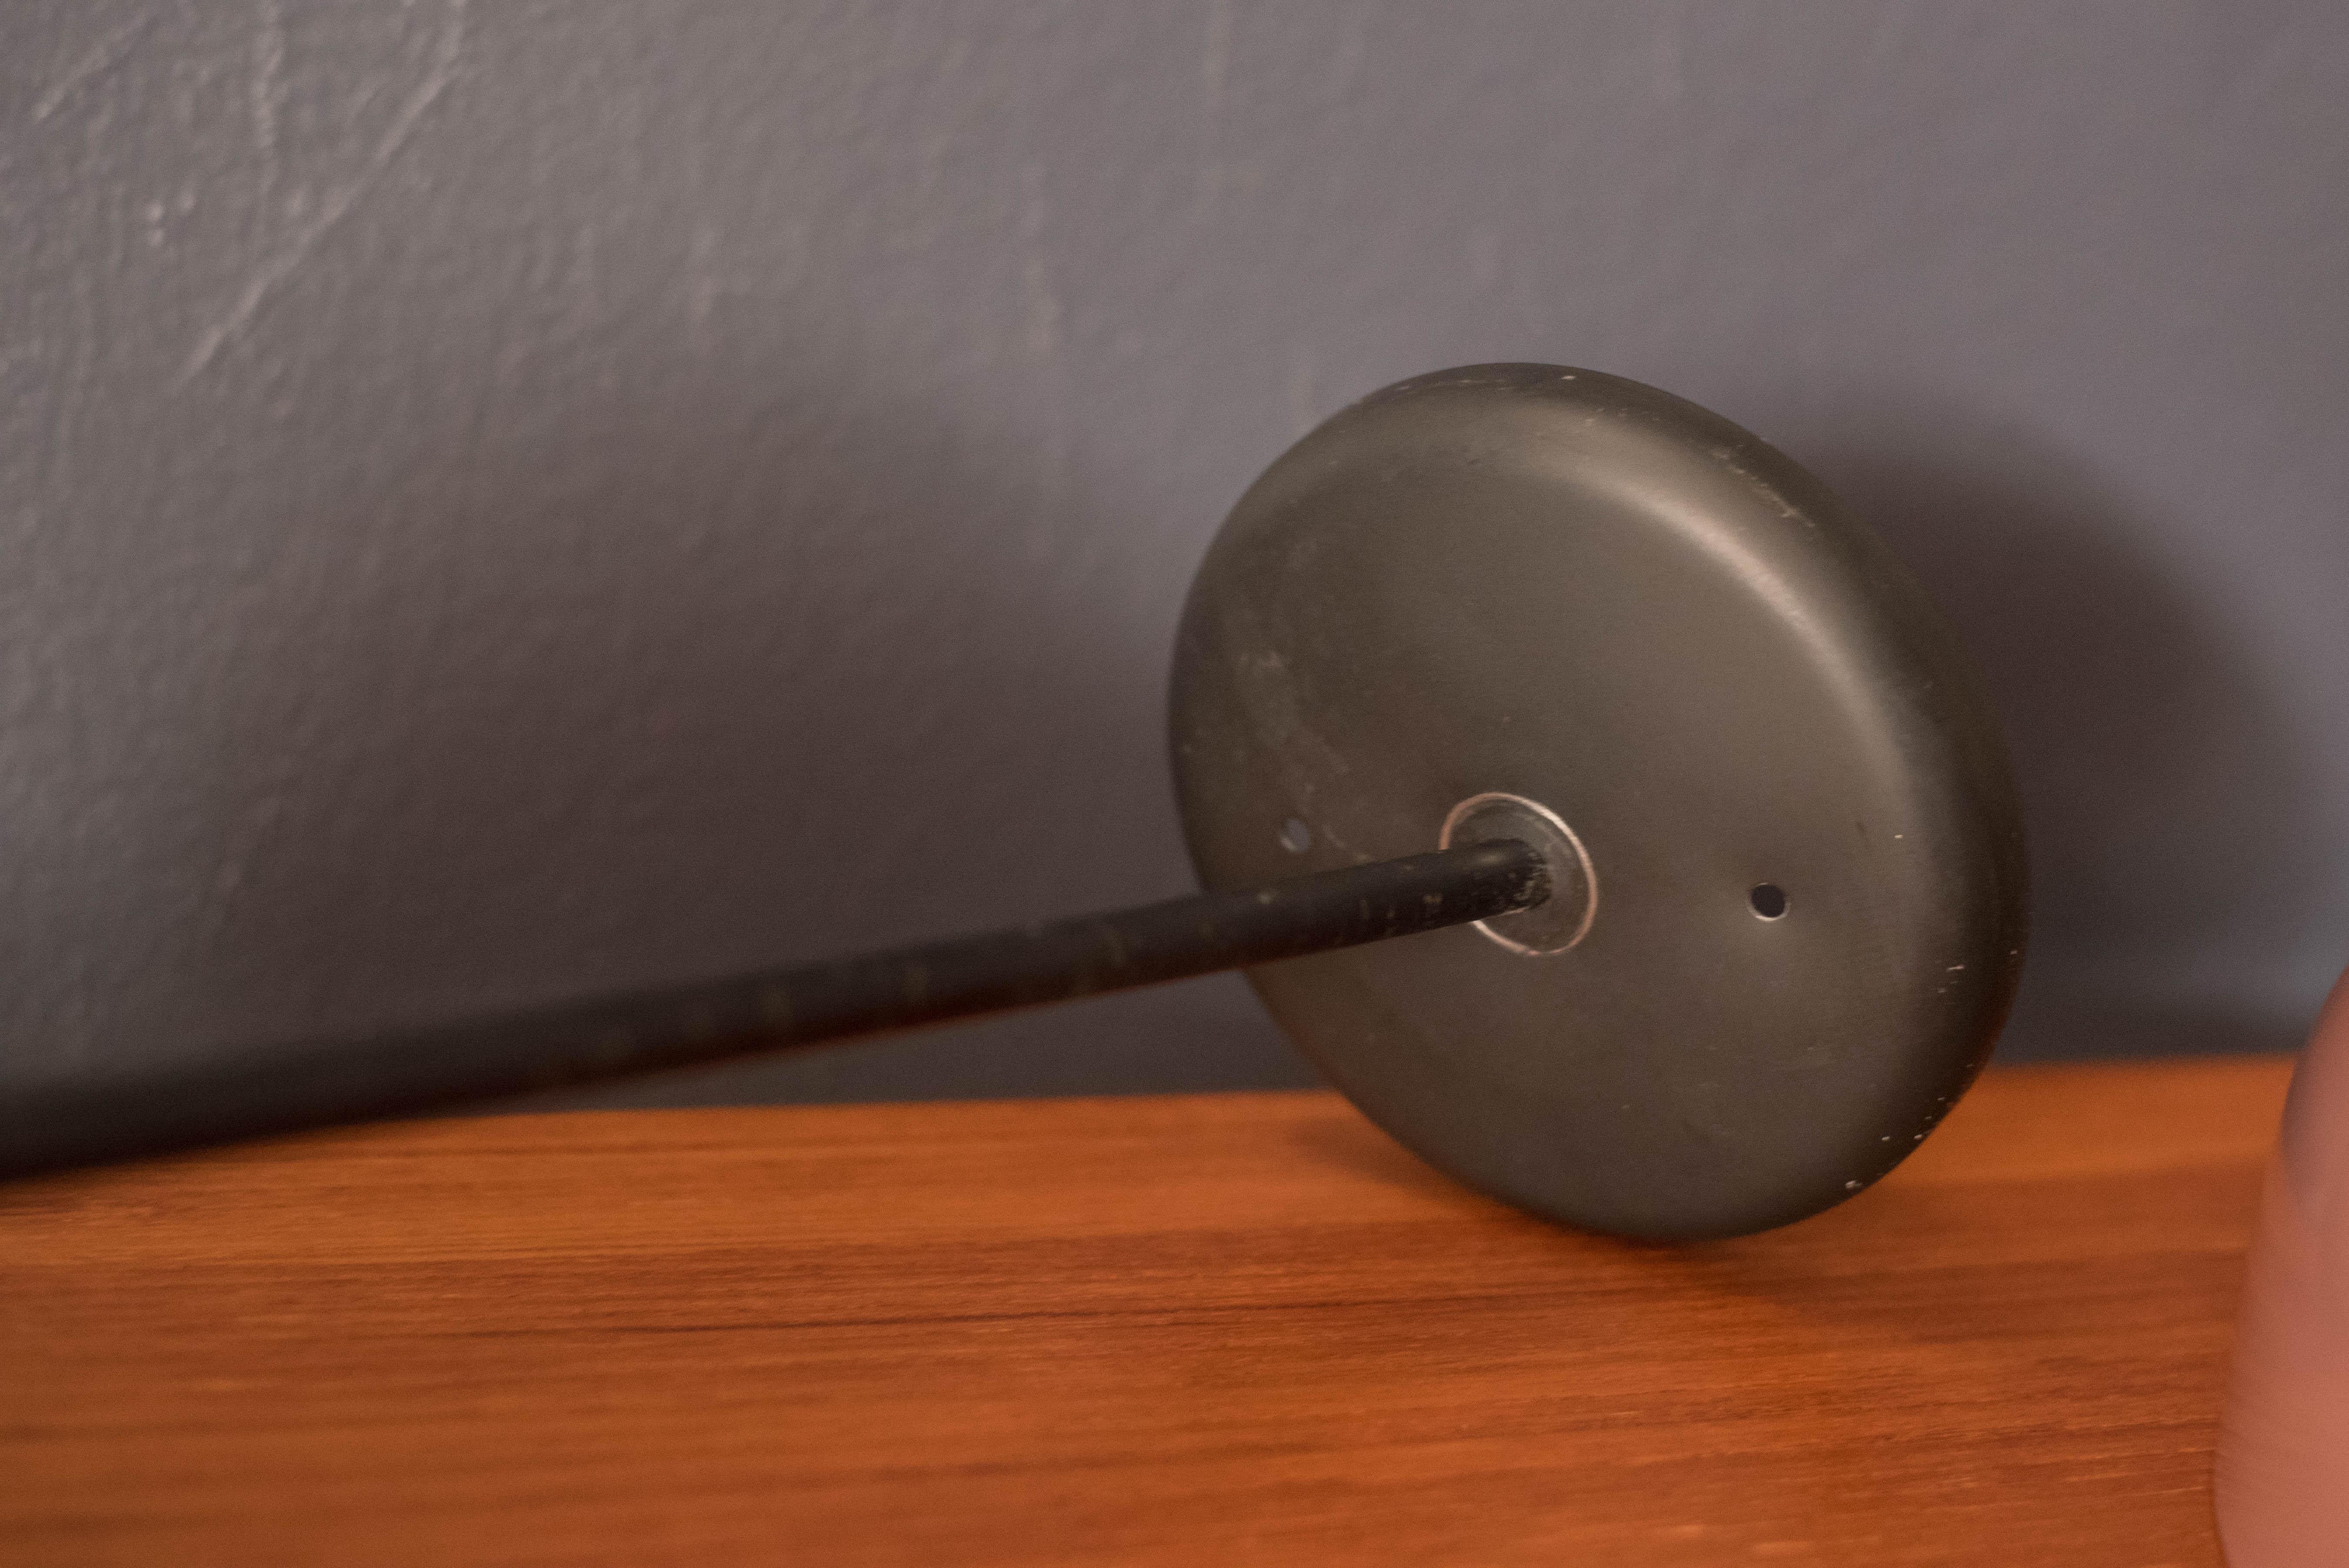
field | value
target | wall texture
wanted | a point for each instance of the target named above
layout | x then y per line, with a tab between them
507	499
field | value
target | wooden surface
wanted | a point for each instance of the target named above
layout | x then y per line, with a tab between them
1217	1329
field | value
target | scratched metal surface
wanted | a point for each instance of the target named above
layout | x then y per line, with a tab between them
502	499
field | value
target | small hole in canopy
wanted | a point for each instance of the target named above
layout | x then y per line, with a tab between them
1769	901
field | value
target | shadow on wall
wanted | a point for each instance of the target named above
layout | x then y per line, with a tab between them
701	678
2164	791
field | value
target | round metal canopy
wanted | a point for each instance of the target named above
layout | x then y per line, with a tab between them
1788	805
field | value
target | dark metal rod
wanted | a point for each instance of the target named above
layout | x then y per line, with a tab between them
288	1089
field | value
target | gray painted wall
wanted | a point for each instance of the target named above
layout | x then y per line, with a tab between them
503	500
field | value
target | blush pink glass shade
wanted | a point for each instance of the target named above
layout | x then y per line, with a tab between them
2283	1449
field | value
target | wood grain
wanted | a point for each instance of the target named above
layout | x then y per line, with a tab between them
1229	1329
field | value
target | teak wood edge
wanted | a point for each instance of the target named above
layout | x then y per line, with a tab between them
1229	1328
